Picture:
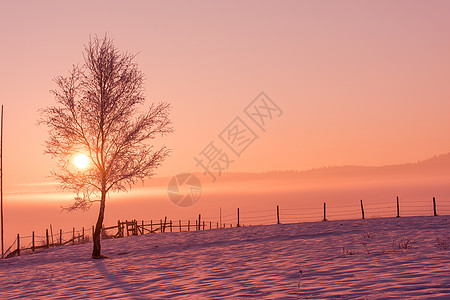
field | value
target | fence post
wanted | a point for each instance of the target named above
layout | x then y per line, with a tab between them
324	211
32	247
199	221
18	245
196	225
217	225
165	222
170	225
160	226
278	214
434	207
238	225
203	225
189	225
210	225
398	208
73	235
362	210
60	236
142	222
83	235
179	223
151	225
46	235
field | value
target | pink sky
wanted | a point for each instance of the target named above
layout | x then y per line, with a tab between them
359	82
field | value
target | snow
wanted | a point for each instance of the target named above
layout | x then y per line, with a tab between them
353	259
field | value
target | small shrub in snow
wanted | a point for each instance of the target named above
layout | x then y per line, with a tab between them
369	235
443	243
404	244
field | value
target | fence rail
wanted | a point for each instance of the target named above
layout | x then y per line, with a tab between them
33	243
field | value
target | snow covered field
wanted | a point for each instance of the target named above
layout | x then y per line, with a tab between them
384	258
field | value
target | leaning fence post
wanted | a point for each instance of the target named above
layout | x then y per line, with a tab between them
278	214
324	211
18	245
46	235
362	210
398	208
32	247
434	207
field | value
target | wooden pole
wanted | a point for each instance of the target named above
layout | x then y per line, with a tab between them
151	226
1	180
160	225
278	214
238	225
142	222
170	225
165	222
199	222
179	223
60	236
46	235
434	207
83	235
203	225
73	235
217	225
32	243
18	245
220	216
210	225
189	225
362	210
324	211
398	208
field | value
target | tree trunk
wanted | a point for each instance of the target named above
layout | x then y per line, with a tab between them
96	252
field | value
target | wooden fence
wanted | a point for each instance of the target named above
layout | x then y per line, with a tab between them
134	227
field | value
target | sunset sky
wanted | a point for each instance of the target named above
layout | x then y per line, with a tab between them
358	82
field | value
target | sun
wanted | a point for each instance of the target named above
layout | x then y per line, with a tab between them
81	161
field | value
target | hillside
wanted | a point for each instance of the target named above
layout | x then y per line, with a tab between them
375	258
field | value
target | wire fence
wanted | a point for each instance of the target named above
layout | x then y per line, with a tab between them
278	215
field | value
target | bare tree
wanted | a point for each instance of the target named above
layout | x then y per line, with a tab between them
97	114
